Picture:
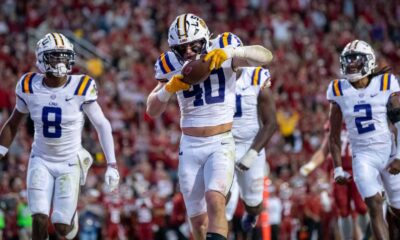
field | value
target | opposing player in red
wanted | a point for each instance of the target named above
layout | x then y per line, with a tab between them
347	198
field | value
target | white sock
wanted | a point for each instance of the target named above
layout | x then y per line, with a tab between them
74	231
346	227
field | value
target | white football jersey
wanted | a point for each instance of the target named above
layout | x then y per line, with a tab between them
246	121
364	110
56	113
211	102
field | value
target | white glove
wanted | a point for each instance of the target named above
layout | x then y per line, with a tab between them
247	160
339	173
111	178
307	168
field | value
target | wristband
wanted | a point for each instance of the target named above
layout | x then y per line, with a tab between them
3	150
163	95
248	159
113	165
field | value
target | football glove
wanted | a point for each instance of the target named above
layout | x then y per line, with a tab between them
217	56
111	177
175	84
340	175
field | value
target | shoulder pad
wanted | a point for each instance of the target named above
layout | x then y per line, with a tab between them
259	75
25	83
226	39
84	83
388	82
166	65
334	89
337	87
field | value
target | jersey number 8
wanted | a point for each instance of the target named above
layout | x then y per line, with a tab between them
51	118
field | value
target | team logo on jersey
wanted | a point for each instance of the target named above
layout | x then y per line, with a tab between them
93	92
53	96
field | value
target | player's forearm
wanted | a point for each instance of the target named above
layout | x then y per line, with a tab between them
103	129
255	55
155	107
335	149
104	132
264	135
10	128
7	134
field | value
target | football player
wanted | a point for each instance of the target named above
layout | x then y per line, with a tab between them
56	102
253	125
348	200
207	150
361	98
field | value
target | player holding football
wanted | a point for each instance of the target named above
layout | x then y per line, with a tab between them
58	164
253	125
367	99
207	150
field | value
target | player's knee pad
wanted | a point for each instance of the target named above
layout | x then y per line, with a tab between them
85	162
38	178
252	194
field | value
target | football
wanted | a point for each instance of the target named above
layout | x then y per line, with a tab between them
196	71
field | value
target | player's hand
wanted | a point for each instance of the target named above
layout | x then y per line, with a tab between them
307	168
217	57
341	176
111	177
175	84
394	167
246	161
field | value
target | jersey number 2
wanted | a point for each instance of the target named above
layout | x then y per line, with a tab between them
51	118
197	91
367	117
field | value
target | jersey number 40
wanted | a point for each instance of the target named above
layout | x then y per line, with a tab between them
197	91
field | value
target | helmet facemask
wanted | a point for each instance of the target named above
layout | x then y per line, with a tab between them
188	29
55	55
198	47
357	60
58	62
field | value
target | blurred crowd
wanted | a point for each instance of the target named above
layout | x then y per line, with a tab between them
306	37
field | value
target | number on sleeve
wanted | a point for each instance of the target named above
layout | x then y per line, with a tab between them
367	117
51	118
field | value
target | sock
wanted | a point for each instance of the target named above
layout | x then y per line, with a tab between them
363	222
346	227
214	236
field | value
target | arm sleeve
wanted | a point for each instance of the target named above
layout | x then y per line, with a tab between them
90	95
329	92
103	128
20	103
394	82
265	76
